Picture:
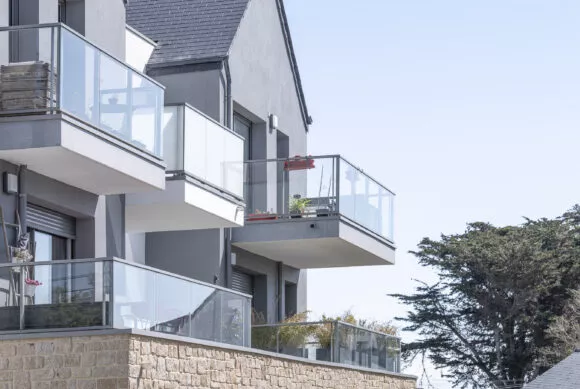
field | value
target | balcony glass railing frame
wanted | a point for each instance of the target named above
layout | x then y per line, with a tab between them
343	338
55	97
177	167
114	272
337	164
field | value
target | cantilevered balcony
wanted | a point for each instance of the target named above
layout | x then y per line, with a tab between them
316	212
76	114
205	177
111	293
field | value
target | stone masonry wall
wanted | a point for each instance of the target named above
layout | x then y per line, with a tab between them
128	361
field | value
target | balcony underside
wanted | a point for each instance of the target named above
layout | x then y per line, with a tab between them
310	243
59	147
183	205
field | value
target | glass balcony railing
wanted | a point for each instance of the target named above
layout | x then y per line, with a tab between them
52	69
304	187
111	293
204	149
331	341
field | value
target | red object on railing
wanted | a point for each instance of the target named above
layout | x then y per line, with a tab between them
299	163
261	216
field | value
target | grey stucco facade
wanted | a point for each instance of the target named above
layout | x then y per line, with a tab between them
254	77
262	84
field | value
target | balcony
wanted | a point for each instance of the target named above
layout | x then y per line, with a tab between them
316	212
331	341
205	181
73	113
111	293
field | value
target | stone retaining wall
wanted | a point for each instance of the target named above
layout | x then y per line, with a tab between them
147	362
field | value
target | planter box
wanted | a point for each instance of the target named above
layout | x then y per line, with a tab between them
299	163
256	217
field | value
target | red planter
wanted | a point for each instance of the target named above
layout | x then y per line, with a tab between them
299	163
261	216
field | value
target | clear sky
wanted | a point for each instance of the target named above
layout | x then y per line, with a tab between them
469	110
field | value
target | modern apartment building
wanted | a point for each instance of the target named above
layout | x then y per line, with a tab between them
155	151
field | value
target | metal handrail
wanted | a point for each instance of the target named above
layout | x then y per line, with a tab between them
124	262
329	156
309	323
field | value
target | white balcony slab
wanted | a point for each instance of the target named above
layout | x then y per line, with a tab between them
67	150
310	243
183	205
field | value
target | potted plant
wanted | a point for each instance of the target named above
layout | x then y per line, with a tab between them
30	287
325	333
298	206
293	338
20	256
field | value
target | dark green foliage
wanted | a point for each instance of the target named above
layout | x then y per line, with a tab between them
499	289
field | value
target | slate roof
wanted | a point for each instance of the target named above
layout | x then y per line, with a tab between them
187	30
564	375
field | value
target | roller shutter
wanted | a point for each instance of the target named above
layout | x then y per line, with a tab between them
49	221
242	282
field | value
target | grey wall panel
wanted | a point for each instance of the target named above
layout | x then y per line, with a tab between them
9	207
195	254
115	219
56	195
201	89
101	21
88	209
262	77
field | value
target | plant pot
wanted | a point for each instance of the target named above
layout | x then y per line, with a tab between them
29	290
255	217
295	215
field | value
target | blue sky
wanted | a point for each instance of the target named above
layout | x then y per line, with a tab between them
468	110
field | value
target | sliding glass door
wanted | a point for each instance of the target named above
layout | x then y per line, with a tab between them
54	279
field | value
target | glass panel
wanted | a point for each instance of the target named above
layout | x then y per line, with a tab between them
145	108
233	318
10	298
195	161
215	153
153	301
316	341
64	296
363	348
347	345
365	201
234	165
172	138
79	77
106	93
116	103
212	152
173	305
134	300
264	338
